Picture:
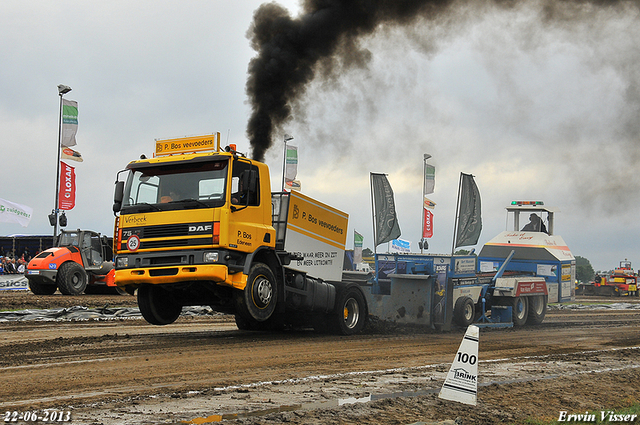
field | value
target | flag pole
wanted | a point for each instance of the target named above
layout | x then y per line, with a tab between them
62	90
455	224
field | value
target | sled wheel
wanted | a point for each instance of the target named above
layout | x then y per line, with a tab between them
157	305
520	311
464	311
71	278
350	313
259	298
41	288
537	309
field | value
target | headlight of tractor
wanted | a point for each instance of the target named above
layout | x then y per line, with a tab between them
122	262
210	257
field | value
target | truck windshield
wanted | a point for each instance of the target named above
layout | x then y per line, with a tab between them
176	186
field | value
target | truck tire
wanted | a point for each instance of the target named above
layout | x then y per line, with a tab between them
350	314
520	311
157	305
259	298
537	309
71	278
464	311
41	288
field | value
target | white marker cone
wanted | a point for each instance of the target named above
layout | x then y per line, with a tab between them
461	384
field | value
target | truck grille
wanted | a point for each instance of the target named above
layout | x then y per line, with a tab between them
172	236
165	231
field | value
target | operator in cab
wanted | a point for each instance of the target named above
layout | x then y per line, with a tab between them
535	224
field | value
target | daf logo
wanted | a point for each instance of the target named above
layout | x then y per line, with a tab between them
206	228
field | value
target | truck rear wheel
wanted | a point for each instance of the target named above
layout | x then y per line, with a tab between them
520	311
464	311
350	314
537	309
259	298
41	288
71	279
157	305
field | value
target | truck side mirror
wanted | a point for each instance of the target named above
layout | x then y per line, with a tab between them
118	195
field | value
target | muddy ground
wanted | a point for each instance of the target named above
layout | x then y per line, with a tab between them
204	370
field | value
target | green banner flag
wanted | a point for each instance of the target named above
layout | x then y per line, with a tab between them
291	163
69	122
358	239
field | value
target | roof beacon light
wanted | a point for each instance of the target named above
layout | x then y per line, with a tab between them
519	203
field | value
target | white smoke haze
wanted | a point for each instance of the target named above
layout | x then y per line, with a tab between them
539	100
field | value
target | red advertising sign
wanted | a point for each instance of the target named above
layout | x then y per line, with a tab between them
427	227
67	189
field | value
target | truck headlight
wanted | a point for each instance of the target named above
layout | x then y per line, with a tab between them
122	262
210	257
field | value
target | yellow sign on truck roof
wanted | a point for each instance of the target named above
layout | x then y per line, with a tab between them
191	144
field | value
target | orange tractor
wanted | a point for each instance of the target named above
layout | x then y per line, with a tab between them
81	262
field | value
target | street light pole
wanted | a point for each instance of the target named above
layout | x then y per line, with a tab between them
62	90
424	189
287	137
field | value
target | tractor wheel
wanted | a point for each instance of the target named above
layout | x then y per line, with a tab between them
41	288
520	311
350	314
258	300
71	279
157	305
464	311
537	309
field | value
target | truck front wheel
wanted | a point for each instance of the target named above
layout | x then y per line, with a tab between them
157	306
71	279
259	298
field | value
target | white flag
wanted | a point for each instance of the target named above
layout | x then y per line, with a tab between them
68	153
11	212
69	122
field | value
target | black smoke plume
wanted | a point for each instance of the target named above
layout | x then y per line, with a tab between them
289	51
325	37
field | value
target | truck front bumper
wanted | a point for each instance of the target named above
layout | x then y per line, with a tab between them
217	273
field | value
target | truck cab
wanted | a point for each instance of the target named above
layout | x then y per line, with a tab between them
198	225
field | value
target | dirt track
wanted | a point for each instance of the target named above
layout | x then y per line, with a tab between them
126	371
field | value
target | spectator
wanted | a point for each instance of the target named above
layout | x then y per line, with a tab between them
10	266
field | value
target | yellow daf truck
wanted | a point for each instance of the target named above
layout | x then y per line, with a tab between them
198	225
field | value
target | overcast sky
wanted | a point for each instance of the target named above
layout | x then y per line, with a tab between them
535	107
